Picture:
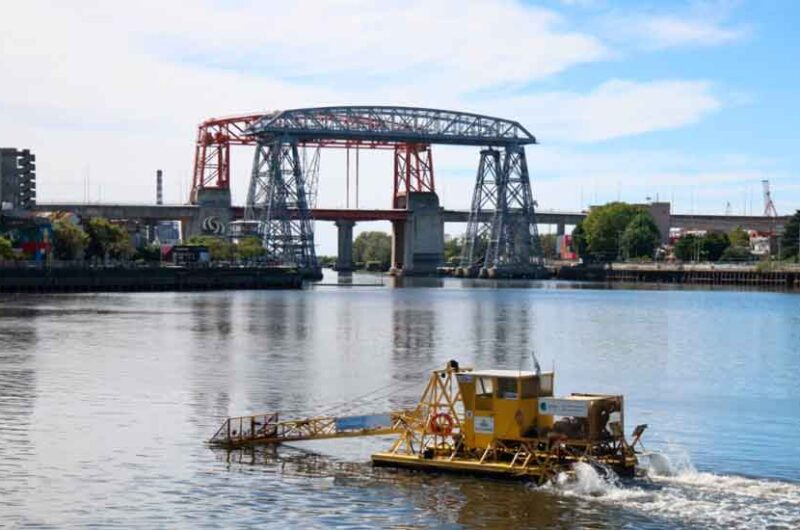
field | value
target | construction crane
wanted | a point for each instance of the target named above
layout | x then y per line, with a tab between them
769	206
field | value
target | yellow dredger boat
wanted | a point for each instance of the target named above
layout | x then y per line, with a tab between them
502	423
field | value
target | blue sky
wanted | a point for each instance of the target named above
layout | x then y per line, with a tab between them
756	75
694	101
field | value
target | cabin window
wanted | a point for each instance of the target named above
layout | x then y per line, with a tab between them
484	387
484	392
530	388
546	385
507	388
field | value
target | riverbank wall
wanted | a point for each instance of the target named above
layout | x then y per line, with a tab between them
44	279
704	274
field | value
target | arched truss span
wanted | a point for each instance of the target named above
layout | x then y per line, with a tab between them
392	124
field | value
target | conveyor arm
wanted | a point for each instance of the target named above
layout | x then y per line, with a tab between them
268	429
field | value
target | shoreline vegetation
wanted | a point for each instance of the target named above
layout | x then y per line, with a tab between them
27	277
765	274
617	242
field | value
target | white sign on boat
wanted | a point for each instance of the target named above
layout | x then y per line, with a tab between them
563	407
484	424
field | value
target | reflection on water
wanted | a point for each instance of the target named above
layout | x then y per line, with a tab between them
106	400
17	398
413	333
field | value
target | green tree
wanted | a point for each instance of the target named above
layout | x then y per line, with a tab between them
641	237
219	248
548	244
250	248
479	250
688	248
791	239
6	250
107	240
150	253
69	240
452	249
373	246
736	253
709	247
579	240
604	227
739	237
326	261
714	244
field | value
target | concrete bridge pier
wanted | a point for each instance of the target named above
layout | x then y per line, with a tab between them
398	246
213	214
561	228
418	242
344	256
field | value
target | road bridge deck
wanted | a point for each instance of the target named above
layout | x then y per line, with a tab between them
151	212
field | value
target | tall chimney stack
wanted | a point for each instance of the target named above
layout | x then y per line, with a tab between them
159	187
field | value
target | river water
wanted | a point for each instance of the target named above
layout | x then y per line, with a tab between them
106	401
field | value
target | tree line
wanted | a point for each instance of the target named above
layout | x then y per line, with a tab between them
371	250
614	231
620	231
222	249
98	238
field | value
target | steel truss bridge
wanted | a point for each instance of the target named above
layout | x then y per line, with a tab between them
502	234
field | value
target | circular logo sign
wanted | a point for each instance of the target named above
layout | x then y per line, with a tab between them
212	225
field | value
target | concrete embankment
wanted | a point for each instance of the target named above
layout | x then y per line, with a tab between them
704	274
91	279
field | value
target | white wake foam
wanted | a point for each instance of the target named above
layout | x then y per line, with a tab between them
675	490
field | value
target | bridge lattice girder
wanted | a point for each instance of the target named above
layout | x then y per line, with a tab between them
212	150
393	124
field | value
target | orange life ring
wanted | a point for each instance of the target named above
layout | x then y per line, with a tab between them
441	423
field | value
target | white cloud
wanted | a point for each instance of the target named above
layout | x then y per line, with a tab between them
699	24
614	109
471	45
668	31
116	90
660	32
148	55
580	3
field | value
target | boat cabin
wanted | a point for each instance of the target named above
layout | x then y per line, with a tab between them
503	404
519	405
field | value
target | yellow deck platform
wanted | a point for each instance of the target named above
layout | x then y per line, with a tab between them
475	467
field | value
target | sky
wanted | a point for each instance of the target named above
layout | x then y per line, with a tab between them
693	102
